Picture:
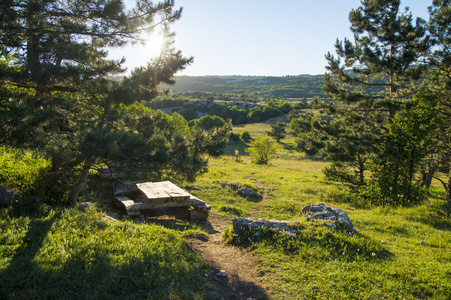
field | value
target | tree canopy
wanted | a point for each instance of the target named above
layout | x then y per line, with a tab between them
372	82
57	95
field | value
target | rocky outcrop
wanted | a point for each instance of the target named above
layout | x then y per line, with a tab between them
240	188
240	224
246	191
332	217
85	205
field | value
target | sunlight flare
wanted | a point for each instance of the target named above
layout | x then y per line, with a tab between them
153	43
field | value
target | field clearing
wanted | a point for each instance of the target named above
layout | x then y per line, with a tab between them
385	260
398	253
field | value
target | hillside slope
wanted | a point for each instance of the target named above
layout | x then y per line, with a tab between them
278	87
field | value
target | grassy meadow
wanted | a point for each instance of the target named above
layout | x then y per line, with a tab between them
46	249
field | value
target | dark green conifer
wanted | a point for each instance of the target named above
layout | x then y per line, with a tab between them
62	95
370	81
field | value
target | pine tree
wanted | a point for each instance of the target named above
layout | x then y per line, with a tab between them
438	83
60	94
371	80
278	130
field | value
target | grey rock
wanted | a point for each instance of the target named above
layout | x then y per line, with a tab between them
424	244
257	223
85	205
331	225
9	196
246	191
201	236
222	273
332	216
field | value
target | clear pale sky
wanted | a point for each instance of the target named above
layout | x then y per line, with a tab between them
259	37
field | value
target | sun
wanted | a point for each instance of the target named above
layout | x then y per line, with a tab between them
153	43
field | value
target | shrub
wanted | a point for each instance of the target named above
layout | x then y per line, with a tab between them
235	137
262	150
22	171
245	136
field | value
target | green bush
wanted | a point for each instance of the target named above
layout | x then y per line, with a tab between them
22	171
245	136
234	137
262	150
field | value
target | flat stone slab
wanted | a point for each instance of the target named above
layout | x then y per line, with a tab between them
164	191
130	206
136	198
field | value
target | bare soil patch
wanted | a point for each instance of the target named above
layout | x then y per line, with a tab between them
243	278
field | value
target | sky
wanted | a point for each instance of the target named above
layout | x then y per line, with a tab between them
258	37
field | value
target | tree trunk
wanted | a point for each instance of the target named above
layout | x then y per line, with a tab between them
361	171
448	190
81	183
427	176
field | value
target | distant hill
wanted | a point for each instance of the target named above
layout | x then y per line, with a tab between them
299	86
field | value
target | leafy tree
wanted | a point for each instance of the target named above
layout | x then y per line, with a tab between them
370	82
386	51
180	124
207	122
292	114
270	111
262	150
57	96
255	115
278	130
411	133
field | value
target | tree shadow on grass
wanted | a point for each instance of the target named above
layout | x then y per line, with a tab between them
289	147
21	264
95	277
336	245
438	217
40	269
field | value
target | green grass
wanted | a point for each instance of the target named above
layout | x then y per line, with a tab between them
385	260
54	250
45	250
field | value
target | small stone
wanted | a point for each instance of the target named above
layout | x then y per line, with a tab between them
258	224
85	205
201	236
424	244
222	273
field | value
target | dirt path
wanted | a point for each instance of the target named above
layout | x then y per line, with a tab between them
242	280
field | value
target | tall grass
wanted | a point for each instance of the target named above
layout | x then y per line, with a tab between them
65	253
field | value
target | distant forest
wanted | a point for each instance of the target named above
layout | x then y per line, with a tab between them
299	86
